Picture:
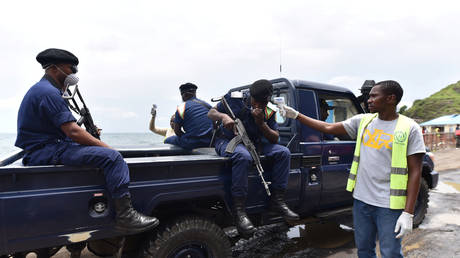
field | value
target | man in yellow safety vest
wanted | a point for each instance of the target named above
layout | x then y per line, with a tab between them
386	169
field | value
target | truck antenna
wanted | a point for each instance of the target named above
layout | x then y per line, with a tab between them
281	66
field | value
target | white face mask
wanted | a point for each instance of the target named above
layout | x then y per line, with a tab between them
70	79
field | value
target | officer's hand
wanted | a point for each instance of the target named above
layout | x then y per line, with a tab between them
288	112
99	130
228	122
153	111
404	224
258	115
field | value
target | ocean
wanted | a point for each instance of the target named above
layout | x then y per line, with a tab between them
116	140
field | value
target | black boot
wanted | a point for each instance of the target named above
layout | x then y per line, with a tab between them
243	224
277	204
128	220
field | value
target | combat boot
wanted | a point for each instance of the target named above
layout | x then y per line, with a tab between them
243	224
278	205
128	220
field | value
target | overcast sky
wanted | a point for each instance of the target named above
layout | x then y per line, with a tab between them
136	53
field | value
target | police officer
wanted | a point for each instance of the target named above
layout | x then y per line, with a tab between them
262	129
48	133
192	126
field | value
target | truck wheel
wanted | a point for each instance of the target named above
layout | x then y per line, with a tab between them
189	237
421	205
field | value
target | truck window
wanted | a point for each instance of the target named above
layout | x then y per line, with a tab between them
333	109
279	119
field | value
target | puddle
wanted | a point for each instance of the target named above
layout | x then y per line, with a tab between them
454	185
321	235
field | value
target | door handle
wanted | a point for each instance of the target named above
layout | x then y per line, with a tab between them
333	158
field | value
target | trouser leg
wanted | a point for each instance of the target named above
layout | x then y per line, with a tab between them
280	175
116	172
365	229
241	160
281	164
172	140
390	246
115	169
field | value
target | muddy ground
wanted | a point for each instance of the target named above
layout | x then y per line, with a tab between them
437	236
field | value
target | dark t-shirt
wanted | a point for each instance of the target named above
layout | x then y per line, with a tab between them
241	107
192	116
41	114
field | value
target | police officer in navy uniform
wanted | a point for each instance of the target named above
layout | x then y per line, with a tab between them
192	126
262	129
49	134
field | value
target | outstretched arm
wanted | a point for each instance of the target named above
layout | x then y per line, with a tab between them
324	127
160	131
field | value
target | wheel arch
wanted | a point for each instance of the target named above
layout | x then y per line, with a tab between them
212	207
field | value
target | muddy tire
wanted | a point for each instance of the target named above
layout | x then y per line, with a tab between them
421	205
188	237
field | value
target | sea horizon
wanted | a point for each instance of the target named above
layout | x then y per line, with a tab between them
116	140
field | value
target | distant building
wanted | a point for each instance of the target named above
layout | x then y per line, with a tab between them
445	124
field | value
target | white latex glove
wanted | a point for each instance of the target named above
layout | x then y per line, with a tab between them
404	223
289	112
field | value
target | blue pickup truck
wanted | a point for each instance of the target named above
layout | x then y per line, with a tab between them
43	208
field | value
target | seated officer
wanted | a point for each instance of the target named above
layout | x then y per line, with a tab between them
191	116
48	133
262	129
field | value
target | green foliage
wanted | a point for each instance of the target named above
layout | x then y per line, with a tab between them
402	109
443	102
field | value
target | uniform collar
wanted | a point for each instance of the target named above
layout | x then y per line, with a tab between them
52	81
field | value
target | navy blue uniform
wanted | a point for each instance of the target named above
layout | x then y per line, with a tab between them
192	116
41	114
241	159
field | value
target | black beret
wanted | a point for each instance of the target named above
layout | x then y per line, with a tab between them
261	90
186	87
56	56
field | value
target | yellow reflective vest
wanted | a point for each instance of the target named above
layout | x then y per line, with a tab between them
398	174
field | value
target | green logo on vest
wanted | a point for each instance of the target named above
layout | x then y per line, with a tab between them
400	137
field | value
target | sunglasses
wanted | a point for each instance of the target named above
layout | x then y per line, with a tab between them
74	69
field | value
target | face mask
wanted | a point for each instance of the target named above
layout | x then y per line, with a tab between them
70	79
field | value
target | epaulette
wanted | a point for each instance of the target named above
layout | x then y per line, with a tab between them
181	110
270	109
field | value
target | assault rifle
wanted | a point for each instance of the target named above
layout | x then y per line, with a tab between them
242	137
85	116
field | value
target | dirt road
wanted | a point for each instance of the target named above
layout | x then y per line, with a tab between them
447	160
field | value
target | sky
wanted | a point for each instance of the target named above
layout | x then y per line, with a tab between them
137	53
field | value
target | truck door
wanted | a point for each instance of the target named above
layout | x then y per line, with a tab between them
309	142
337	150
